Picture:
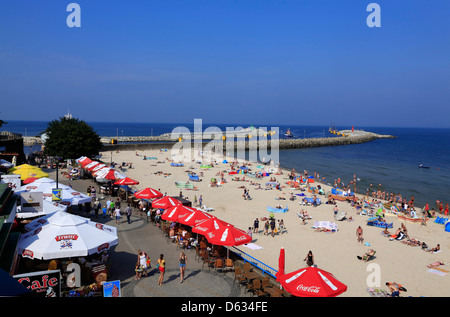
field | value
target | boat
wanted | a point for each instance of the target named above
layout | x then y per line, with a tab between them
288	134
423	166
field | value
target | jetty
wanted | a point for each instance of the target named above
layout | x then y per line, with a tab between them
345	137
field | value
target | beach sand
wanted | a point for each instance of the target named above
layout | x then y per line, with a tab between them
333	252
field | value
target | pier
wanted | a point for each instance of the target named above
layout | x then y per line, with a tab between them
165	141
244	141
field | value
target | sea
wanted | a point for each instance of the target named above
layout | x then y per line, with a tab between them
393	163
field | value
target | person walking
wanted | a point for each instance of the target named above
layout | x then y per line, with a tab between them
117	214
142	258
183	262
97	206
161	265
256	225
309	259
128	212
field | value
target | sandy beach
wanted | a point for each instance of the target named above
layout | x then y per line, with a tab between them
333	252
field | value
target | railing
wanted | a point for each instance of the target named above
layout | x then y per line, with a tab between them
255	262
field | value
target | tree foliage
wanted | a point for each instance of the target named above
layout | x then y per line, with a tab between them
71	138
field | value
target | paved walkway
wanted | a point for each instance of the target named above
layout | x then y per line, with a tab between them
140	234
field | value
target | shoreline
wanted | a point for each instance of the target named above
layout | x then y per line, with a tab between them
334	252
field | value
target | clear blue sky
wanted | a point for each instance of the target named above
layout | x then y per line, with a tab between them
227	61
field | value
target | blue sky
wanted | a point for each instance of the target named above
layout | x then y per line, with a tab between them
227	61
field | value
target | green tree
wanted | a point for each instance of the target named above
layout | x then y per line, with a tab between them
71	138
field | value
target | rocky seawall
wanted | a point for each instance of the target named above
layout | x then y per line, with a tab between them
347	138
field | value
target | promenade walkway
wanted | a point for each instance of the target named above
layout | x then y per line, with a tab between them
140	234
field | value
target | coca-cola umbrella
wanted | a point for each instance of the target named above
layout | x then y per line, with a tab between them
63	235
148	193
309	281
84	160
91	165
194	218
97	168
219	232
110	174
212	224
228	235
165	202
126	181
174	213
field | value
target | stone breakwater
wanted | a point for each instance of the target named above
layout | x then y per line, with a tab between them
166	142
355	137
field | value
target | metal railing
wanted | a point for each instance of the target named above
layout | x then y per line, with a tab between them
266	269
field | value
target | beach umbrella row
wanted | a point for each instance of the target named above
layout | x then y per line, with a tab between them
216	231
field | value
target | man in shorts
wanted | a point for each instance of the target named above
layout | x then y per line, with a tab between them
256	226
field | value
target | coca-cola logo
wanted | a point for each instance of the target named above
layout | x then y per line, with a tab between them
199	228
309	289
241	238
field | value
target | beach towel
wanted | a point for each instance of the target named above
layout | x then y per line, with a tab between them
378	292
253	246
438	271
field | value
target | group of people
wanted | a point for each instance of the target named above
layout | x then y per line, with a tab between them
144	263
276	226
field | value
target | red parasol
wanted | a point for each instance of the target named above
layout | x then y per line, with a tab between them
165	202
148	193
30	180
126	181
281	264
210	225
309	282
193	218
228	235
173	213
91	165
85	161
111	175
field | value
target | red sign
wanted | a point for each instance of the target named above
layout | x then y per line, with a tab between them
66	237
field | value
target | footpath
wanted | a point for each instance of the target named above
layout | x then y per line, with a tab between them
140	234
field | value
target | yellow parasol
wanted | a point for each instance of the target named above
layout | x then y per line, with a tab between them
26	171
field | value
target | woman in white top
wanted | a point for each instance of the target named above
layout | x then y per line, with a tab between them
117	214
142	257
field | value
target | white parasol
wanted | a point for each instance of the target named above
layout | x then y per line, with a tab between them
62	235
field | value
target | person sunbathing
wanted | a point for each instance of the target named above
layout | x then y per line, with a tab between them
436	249
435	264
395	288
412	242
367	256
